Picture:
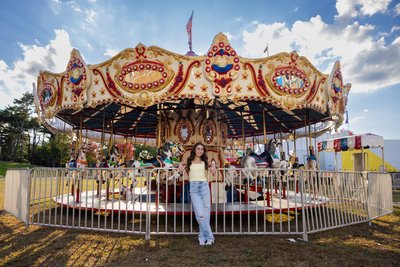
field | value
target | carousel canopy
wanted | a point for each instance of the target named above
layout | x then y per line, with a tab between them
126	94
351	142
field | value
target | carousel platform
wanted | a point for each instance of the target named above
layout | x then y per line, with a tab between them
141	202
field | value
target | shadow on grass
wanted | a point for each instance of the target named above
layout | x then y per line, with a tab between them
361	244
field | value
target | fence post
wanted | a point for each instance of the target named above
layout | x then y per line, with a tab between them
148	200
28	202
303	214
368	196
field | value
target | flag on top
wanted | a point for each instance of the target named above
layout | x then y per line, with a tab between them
189	31
266	48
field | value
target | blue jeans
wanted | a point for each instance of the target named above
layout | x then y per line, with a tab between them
200	195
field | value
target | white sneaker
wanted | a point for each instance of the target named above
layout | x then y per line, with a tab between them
202	243
209	242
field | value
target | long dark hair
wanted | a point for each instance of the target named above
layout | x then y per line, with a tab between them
203	157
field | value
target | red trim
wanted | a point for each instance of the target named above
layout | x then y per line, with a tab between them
182	82
259	90
357	144
314	90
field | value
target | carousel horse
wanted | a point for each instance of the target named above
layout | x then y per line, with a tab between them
169	156
72	159
311	166
294	165
76	166
268	159
251	162
311	160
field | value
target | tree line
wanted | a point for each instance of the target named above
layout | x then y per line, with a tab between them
23	139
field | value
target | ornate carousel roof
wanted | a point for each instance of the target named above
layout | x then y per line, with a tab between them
125	94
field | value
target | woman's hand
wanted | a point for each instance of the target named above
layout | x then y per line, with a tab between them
213	168
181	168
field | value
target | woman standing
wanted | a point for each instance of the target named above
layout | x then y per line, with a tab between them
197	167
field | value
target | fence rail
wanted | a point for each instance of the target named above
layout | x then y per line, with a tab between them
146	201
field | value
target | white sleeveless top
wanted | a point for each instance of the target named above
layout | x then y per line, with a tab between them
197	172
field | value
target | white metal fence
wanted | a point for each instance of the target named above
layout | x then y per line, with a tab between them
395	180
146	202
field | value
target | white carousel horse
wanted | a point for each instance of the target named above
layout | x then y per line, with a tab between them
268	159
311	165
76	166
81	161
170	155
311	160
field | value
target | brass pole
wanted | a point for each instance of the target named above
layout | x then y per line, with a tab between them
264	129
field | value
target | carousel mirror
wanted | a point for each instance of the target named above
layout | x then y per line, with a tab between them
184	131
208	131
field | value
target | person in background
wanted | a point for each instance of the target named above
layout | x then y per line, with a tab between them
197	166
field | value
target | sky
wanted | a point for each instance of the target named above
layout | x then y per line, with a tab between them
363	34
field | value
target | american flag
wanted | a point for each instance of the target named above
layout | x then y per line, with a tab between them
189	31
189	25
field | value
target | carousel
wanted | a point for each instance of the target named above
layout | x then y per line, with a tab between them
172	101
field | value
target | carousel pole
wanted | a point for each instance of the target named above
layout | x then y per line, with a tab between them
159	126
243	135
281	151
294	143
264	129
306	135
268	194
79	173
316	153
108	154
295	156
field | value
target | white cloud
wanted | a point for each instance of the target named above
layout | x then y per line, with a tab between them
85	15
55	6
394	28
357	119
18	78
111	52
367	63
238	19
365	110
90	16
397	9
354	8
229	36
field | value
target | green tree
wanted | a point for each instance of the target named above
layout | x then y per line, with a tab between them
15	120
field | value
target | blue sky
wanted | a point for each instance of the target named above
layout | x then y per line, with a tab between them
363	34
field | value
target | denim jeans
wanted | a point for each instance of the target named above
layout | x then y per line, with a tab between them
200	195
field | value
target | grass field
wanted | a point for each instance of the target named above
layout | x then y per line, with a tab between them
358	245
8	165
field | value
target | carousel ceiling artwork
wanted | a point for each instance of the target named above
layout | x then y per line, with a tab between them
127	93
